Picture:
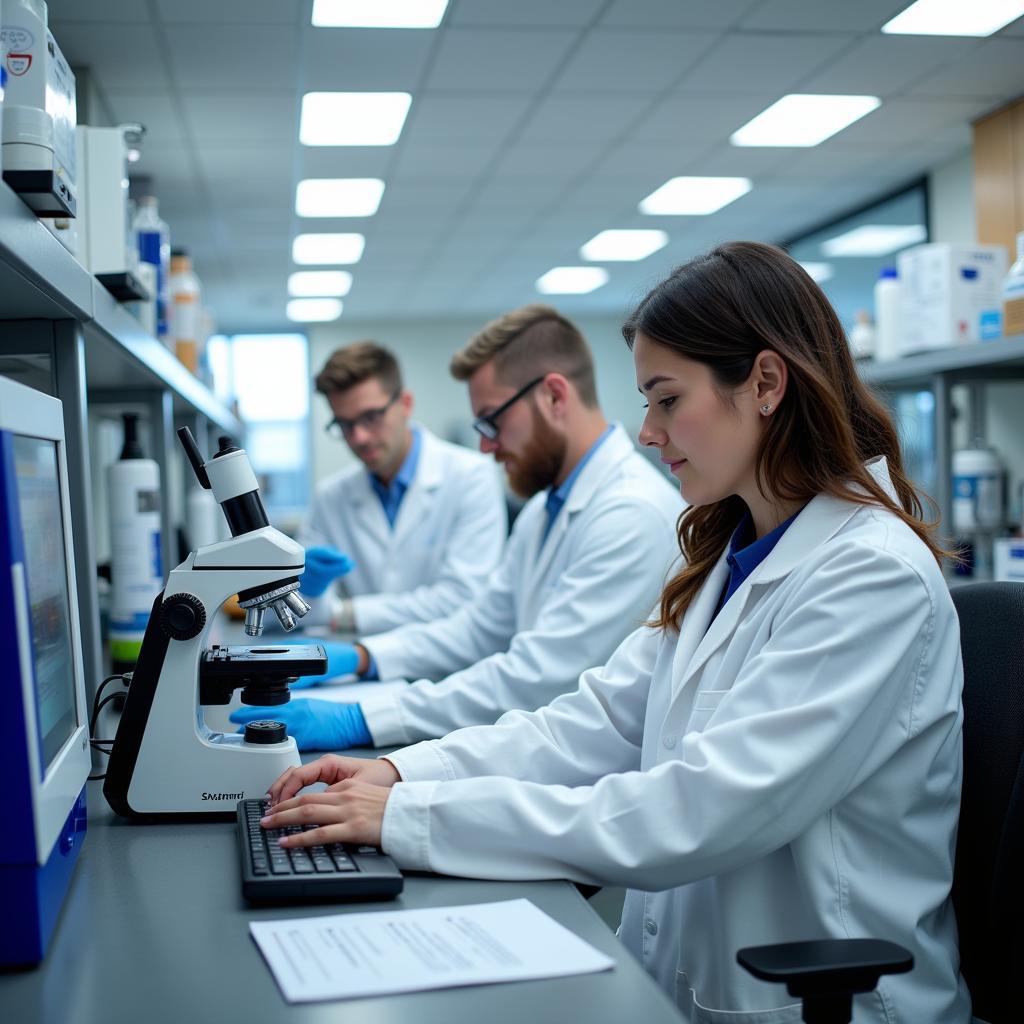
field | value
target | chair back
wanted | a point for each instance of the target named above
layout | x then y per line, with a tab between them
988	883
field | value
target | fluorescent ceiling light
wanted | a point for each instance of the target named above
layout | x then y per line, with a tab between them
818	272
378	13
571	280
694	196
304	311
353	118
338	197
874	240
955	17
803	120
319	282
312	249
617	244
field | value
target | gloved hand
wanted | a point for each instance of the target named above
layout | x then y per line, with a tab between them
323	566
315	724
342	660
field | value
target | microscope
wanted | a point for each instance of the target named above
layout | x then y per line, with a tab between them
165	760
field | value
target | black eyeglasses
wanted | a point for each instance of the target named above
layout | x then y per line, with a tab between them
487	426
369	420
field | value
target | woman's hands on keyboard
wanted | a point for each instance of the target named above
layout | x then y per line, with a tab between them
351	811
332	769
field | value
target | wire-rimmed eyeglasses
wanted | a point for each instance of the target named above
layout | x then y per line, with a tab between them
370	419
487	426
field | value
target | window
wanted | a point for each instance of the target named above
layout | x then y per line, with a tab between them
268	376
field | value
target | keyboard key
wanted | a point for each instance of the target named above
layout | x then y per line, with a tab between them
278	867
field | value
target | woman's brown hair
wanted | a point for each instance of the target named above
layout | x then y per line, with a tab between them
722	309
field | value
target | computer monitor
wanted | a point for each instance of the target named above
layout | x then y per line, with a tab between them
44	740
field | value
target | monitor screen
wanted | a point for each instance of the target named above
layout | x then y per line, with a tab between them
46	573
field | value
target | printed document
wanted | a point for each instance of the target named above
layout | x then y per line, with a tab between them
344	956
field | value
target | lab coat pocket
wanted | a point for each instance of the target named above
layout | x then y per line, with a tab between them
696	1013
705	704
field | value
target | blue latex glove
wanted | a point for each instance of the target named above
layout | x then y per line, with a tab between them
342	660
323	566
315	724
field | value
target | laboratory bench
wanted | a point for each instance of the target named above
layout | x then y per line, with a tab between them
155	930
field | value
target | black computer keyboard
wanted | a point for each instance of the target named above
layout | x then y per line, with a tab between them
272	874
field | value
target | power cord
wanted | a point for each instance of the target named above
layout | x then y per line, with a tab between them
97	706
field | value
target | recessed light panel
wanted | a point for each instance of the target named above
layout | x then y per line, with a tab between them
322	248
803	120
353	118
319	282
304	311
571	280
616	244
874	240
338	197
694	196
955	17
378	13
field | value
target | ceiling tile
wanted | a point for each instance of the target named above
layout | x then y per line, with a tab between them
442	163
121	57
761	63
435	119
881	65
689	119
995	68
511	60
911	120
345	161
241	162
675	13
231	12
569	119
365	60
119	12
543	160
815	16
156	110
238	57
219	117
627	61
523	13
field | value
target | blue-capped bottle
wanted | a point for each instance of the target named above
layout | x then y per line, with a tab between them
154	241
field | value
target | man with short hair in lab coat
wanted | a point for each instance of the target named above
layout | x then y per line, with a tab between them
586	560
411	531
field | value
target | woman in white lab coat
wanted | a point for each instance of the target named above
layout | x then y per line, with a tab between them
776	756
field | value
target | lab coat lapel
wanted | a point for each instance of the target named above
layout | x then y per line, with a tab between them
423	490
616	447
367	510
694	626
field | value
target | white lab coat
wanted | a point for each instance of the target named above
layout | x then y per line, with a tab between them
550	609
448	536
791	771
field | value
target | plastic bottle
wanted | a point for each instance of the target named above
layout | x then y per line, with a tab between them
135	561
203	518
1013	293
862	337
185	310
978	505
154	241
888	315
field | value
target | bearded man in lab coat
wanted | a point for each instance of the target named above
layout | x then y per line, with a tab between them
586	560
411	531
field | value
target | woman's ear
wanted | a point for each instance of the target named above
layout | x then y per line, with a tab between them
769	379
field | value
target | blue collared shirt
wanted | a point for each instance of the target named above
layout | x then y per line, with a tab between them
391	495
745	555
557	496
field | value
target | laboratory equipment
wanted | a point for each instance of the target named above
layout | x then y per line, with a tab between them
136	573
44	742
165	759
39	113
335	871
951	295
185	310
106	245
978	504
862	336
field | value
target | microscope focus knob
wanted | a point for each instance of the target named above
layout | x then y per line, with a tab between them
182	616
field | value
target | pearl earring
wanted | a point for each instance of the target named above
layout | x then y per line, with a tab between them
766	408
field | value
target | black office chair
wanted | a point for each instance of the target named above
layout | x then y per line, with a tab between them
988	878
